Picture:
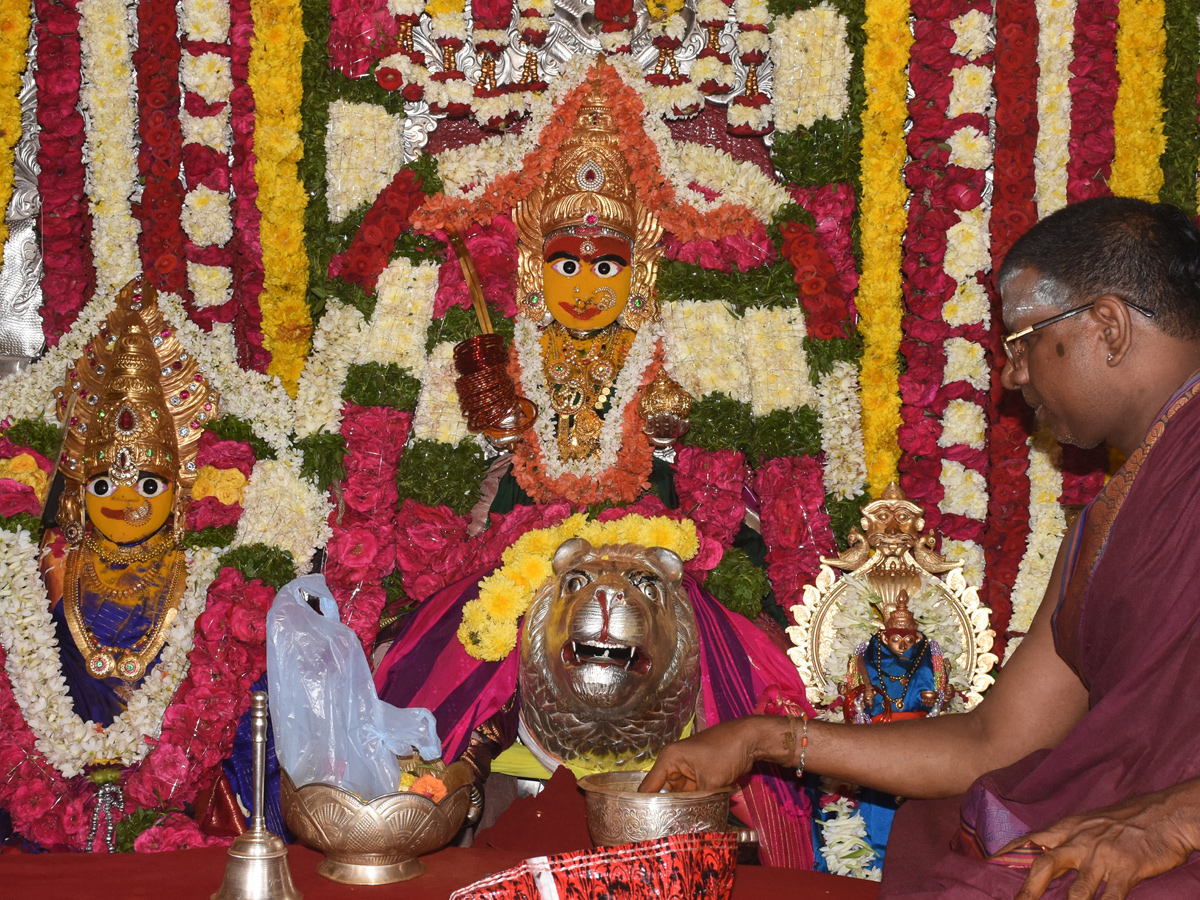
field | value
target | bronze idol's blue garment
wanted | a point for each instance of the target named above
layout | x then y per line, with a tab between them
887	672
114	621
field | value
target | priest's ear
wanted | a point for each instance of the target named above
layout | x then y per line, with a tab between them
1115	317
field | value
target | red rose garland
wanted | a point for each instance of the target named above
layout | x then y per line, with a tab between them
832	205
389	217
1013	212
160	156
360	32
795	525
709	485
362	552
65	223
247	249
827	312
1093	89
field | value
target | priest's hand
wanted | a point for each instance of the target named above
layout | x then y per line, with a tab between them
713	758
1119	845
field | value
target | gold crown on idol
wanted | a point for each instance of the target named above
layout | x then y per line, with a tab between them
133	401
589	190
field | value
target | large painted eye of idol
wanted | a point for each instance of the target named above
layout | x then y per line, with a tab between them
586	279
126	514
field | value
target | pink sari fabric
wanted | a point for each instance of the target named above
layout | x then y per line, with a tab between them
1129	624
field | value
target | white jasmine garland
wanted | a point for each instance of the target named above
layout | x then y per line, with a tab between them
844	845
336	345
496	35
963	422
284	509
364	146
448	25
778	371
403	308
611	42
1047	524
712	11
35	669
739	182
1056	35
210	75
703	352
406	7
677	101
751	12
812	67
968	306
973	34
532	385
754	117
840	411
499	107
967	248
205	20
966	361
971	91
211	131
207	218
106	30
210	285
965	491
970	148
753	42
710	68
438	416
456	90
972	557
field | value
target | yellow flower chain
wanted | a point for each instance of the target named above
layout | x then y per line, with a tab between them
1138	115
14	35
880	296
24	469
489	623
275	80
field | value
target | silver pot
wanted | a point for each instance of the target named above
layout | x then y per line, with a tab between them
618	814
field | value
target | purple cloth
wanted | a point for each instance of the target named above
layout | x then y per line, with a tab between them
1137	636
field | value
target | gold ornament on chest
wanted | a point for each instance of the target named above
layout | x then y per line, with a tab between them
580	371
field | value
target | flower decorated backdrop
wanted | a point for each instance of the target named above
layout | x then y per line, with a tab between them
830	306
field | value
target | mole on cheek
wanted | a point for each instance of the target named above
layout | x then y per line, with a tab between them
1061	350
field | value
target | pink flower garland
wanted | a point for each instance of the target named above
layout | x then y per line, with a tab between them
832	205
709	484
360	32
65	223
361	552
795	525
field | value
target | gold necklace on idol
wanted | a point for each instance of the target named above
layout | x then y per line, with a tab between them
579	373
100	659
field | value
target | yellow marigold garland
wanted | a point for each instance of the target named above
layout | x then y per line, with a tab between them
885	62
14	34
1138	115
275	80
489	623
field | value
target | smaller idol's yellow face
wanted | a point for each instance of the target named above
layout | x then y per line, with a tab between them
586	279
126	514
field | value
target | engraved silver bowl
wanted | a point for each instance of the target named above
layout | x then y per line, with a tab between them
618	814
376	842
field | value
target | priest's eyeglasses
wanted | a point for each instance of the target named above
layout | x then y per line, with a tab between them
1014	344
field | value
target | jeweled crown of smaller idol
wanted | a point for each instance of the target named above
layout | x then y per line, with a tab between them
133	402
589	192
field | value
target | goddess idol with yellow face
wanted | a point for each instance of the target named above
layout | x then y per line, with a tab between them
134	406
588	251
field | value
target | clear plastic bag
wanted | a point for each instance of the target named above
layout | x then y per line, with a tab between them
329	724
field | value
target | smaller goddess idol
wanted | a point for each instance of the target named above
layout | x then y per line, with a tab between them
134	406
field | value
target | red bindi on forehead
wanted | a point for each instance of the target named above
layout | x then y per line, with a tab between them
601	245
